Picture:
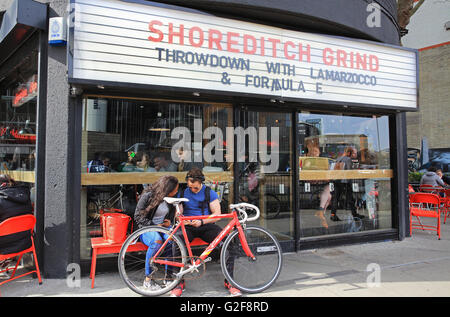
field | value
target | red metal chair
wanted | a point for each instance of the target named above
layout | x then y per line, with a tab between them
15	225
437	190
430	189
425	205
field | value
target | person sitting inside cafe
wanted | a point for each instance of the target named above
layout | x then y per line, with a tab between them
101	164
432	178
344	187
163	164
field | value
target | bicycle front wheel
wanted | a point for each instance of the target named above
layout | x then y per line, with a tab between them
137	265
251	275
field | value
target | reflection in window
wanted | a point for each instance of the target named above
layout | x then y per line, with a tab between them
18	91
265	173
136	136
130	143
345	174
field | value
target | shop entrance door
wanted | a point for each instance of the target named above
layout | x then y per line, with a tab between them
264	169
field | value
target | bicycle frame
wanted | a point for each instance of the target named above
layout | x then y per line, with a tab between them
226	230
112	200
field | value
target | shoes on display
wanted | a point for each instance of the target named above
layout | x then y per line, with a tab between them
356	215
334	217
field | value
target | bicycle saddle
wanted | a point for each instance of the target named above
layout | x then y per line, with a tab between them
173	200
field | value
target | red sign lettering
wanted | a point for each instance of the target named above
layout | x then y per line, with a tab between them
250	45
19	97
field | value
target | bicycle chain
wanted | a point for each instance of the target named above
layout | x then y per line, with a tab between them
189	276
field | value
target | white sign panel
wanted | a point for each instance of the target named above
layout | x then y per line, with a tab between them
132	43
57	33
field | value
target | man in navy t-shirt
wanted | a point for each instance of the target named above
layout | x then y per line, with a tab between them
206	229
198	205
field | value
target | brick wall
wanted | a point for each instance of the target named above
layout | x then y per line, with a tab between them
433	119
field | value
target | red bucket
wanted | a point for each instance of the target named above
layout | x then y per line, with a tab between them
115	227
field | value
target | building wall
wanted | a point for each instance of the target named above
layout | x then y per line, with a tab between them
427	28
433	119
427	25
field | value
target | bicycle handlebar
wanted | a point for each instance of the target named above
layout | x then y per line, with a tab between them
239	207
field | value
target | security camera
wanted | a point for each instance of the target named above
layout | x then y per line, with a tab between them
75	91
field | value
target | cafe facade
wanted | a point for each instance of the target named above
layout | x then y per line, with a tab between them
101	103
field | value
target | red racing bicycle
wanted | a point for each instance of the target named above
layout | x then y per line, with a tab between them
251	257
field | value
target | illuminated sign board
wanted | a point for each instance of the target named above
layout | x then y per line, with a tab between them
133	43
25	92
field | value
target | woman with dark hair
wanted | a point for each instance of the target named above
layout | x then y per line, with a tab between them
151	209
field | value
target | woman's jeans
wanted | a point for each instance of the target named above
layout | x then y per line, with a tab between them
153	240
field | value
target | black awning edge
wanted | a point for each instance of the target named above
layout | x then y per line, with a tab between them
19	22
27	13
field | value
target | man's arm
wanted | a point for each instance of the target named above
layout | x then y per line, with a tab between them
214	207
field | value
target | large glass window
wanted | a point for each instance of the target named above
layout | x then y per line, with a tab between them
130	143
18	91
265	168
345	173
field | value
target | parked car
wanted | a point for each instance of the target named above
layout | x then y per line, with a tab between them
438	157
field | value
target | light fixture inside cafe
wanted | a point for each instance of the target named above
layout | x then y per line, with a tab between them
160	125
26	129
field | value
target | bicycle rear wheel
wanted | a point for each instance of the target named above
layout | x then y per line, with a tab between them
272	206
251	276
159	278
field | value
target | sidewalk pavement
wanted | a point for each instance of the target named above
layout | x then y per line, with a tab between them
416	266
